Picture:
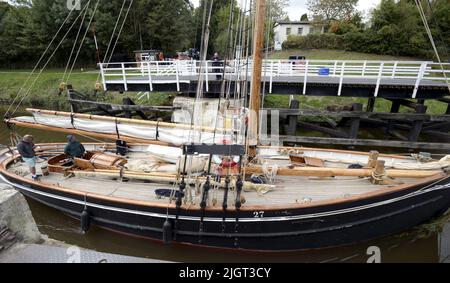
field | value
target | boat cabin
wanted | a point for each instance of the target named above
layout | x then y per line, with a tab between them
149	55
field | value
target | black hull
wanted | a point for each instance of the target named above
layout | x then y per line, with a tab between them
278	230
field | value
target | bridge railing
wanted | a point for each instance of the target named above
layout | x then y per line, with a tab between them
179	72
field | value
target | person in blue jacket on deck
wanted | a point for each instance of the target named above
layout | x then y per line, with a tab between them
74	148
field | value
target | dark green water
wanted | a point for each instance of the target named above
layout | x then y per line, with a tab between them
426	244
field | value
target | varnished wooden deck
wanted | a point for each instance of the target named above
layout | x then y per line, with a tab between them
288	190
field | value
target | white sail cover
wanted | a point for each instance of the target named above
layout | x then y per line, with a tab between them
407	163
176	136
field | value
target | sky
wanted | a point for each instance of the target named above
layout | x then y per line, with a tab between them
298	7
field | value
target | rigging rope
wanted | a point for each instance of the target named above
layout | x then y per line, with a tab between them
238	55
203	51
47	62
223	80
196	31
114	31
444	45
75	43
198	106
244	53
120	31
112	35
84	37
38	62
247	100
269	12
430	36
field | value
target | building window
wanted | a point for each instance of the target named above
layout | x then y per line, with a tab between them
300	31
288	31
311	30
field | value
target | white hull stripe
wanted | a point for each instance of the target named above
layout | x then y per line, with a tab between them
425	190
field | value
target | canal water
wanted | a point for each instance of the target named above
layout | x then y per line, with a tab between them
427	243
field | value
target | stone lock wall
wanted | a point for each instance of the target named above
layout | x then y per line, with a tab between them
16	215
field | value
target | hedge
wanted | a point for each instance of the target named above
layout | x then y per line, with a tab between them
364	42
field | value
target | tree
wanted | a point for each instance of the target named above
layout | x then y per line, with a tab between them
168	25
398	28
223	40
14	43
220	21
4	7
354	24
440	24
29	28
304	18
277	9
330	10
215	23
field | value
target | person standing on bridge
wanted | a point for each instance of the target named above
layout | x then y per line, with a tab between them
217	63
27	151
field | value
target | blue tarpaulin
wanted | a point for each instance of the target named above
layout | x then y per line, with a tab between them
324	71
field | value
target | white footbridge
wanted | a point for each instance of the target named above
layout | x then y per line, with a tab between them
391	79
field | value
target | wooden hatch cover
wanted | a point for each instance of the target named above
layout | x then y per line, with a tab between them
301	160
90	161
102	160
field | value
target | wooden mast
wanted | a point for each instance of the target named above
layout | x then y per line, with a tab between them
255	100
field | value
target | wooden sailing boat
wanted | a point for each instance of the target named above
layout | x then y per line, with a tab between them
209	195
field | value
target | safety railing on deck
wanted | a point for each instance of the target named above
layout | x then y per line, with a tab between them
178	72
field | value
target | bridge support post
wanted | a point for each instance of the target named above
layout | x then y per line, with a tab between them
371	104
126	113
394	109
73	105
417	125
355	122
293	119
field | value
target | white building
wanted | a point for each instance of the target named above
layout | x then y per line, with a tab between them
284	29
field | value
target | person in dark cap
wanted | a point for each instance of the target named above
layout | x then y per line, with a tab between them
26	150
74	148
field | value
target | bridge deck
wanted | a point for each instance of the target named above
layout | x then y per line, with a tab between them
316	86
288	79
425	80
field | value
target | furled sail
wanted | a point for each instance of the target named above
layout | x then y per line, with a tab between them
120	128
